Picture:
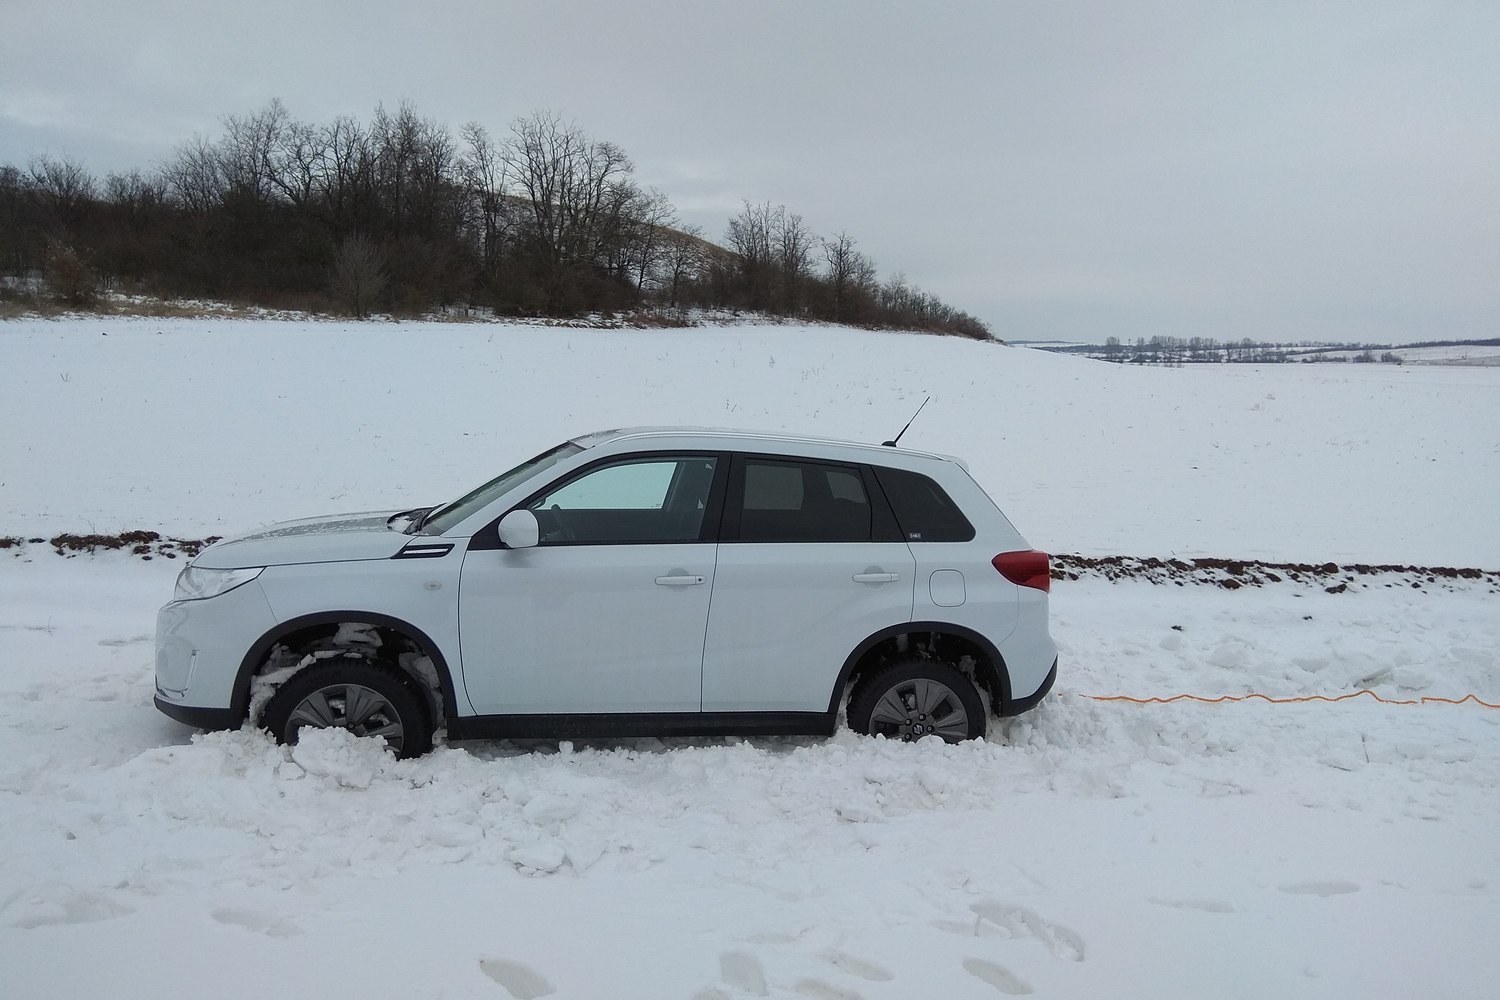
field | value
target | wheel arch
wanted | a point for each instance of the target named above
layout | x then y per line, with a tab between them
257	653
989	664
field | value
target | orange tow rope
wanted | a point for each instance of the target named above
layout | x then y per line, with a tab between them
1424	700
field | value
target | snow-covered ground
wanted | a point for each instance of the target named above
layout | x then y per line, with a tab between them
1088	849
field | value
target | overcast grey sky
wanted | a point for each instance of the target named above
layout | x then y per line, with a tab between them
1060	169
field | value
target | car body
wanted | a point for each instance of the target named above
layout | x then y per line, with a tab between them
646	581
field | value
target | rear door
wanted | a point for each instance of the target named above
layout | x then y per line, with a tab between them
810	564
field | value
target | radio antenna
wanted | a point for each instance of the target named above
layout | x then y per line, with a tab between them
893	441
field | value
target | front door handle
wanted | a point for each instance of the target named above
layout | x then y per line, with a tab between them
876	577
679	581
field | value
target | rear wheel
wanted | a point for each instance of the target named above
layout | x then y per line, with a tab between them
362	696
911	698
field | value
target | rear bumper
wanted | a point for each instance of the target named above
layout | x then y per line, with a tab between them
1018	705
201	718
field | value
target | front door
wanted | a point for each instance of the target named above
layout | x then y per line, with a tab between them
608	612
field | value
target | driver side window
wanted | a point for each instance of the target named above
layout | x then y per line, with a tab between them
633	501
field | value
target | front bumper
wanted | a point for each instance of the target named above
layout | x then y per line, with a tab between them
200	647
200	718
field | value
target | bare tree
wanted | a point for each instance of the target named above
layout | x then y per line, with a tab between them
65	189
249	151
793	260
577	189
195	176
752	236
686	251
851	276
295	167
484	174
359	275
138	196
344	175
652	219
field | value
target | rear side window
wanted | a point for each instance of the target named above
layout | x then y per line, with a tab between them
787	501
925	512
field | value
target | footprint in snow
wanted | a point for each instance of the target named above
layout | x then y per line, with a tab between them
997	976
1332	888
1205	905
260	923
521	981
819	990
1018	922
61	904
743	971
856	966
125	642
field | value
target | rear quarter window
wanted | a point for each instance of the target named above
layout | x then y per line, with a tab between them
923	508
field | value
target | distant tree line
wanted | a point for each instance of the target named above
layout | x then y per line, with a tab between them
400	215
1173	351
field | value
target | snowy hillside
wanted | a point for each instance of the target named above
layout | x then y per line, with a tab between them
198	427
1288	849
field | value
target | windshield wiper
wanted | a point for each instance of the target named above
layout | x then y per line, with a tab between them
416	515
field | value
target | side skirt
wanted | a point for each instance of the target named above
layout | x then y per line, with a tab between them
481	727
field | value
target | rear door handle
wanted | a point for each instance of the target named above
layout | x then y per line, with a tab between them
876	577
679	581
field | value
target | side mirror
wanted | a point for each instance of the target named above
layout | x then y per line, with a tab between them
519	530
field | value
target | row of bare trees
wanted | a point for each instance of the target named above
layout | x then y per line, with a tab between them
398	214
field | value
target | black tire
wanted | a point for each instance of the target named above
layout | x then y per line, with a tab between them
910	698
385	701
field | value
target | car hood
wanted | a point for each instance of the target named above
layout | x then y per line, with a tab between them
336	538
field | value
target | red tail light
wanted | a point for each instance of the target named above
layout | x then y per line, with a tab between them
1026	569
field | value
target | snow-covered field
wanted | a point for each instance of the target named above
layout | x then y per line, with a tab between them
1456	354
1088	849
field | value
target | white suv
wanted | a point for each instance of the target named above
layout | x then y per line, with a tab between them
634	582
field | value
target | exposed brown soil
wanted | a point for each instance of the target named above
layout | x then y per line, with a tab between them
1230	574
145	544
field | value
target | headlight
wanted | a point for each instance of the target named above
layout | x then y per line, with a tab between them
195	583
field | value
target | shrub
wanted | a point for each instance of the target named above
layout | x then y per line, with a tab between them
68	275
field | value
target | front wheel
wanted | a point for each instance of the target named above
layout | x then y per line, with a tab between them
914	697
362	696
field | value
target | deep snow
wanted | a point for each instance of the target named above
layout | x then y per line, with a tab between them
1088	849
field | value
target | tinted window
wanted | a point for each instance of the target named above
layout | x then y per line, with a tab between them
786	501
643	500
924	511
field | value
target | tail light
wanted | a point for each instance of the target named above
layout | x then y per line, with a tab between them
1026	569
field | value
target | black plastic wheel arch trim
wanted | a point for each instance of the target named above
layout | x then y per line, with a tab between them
993	669
240	707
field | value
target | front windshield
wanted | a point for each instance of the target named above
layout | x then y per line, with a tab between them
445	517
